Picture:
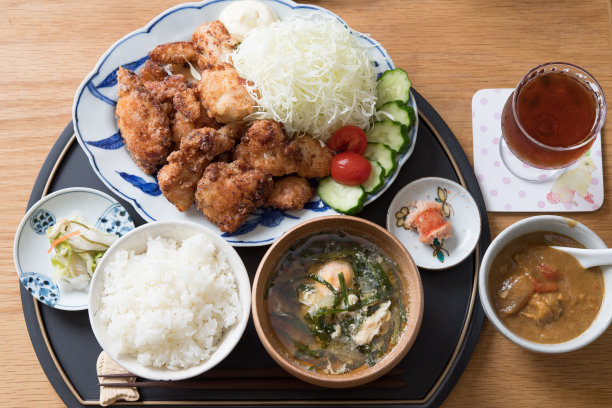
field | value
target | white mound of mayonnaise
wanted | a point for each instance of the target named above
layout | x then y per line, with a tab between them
240	17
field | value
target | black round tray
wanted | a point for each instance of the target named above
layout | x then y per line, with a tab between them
453	317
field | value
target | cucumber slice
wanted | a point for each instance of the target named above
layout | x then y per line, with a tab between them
399	112
376	179
393	134
393	85
344	199
383	155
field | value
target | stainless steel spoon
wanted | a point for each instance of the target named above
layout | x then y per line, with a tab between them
589	257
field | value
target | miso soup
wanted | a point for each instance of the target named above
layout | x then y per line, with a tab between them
336	303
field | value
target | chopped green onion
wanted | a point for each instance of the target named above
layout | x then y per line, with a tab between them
343	291
324	282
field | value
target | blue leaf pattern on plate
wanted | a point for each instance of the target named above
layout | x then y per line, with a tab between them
135	64
143	185
269	217
245	228
94	91
41	287
110	143
317	206
115	220
111	79
41	220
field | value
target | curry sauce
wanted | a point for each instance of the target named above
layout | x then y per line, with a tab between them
542	294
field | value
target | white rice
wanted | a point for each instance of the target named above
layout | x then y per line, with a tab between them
169	306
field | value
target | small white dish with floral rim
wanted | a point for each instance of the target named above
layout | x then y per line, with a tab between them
458	206
30	250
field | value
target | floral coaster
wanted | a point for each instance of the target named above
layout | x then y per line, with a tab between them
579	188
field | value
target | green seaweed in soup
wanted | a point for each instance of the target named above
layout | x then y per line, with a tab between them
336	303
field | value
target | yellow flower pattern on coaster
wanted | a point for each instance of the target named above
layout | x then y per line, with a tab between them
109	395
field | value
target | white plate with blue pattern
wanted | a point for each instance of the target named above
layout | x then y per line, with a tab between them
97	132
33	263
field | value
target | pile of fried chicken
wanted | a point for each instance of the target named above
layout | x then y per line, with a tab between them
194	134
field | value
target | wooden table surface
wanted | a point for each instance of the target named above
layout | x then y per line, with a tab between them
450	48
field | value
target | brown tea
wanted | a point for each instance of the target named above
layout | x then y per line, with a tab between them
557	110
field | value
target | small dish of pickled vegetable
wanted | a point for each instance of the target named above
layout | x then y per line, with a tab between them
332	307
60	241
437	220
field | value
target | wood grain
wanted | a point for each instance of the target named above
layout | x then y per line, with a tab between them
450	48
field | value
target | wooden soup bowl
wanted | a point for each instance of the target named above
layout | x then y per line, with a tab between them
413	298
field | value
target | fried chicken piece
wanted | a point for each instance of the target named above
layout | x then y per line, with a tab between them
168	108
290	193
143	123
228	192
214	42
166	89
181	126
224	157
187	103
176	89
152	71
224	95
184	69
175	53
315	158
235	130
266	147
178	179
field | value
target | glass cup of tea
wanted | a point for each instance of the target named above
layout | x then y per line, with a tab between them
551	120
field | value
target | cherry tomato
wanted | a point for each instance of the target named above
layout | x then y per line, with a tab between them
349	139
350	168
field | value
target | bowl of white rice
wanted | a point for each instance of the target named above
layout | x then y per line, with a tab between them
169	300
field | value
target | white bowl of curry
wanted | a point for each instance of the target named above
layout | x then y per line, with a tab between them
541	298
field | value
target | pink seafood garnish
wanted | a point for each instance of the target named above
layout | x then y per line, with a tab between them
427	219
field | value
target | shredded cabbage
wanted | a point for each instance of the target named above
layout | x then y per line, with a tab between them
76	258
310	74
